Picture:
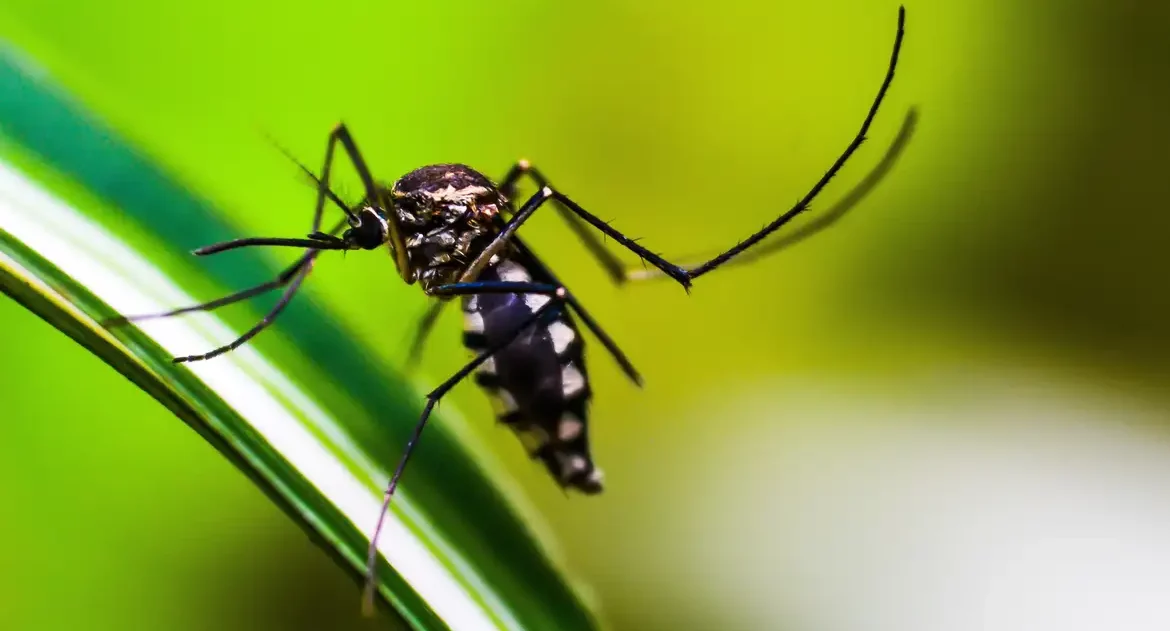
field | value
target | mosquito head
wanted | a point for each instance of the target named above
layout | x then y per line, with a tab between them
370	231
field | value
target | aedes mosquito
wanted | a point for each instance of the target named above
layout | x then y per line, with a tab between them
453	231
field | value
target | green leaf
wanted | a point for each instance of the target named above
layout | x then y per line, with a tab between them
90	228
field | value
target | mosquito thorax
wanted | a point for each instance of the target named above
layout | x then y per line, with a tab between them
446	215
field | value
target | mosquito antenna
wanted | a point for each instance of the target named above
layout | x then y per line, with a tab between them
349	214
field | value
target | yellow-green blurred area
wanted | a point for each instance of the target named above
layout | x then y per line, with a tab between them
949	411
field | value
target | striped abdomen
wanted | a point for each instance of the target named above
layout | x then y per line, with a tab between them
538	382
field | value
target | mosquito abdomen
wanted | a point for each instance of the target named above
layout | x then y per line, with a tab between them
538	382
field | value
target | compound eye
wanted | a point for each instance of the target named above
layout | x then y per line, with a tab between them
372	231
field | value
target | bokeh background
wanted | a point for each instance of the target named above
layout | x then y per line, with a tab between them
948	412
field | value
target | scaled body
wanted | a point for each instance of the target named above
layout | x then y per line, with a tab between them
447	214
538	381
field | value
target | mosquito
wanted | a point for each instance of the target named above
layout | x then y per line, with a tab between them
452	230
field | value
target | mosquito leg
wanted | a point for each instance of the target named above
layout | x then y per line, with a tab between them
427	322
803	204
613	267
317	241
489	287
825	220
624	362
496	287
533	204
285	298
432	400
542	269
280	281
323	241
508	232
423	331
685	276
373	193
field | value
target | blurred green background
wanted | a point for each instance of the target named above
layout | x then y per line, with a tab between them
875	429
